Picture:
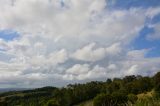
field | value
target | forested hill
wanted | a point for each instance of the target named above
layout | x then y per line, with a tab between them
118	91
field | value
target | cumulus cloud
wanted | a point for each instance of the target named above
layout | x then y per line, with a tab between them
83	72
52	33
78	69
88	53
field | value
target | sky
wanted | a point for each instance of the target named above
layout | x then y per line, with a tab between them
57	42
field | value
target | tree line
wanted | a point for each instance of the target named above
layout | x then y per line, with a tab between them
112	92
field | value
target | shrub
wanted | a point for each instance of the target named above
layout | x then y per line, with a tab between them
132	98
102	100
52	102
110	100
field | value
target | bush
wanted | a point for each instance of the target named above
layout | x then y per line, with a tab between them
110	100
132	98
102	100
119	98
52	102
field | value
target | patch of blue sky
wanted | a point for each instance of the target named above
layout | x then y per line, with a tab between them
156	19
126	4
141	42
8	35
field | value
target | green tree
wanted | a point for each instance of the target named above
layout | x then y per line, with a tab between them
156	79
128	79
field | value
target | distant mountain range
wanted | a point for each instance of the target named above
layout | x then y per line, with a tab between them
12	89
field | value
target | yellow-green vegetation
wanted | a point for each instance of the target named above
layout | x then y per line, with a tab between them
87	103
146	95
147	99
143	99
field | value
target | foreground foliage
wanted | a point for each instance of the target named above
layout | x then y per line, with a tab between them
115	92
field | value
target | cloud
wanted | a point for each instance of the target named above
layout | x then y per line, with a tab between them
78	69
88	53
156	34
137	54
77	40
3	45
83	72
152	12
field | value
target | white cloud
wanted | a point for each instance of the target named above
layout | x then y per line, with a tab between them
83	72
78	69
114	49
53	35
133	70
153	12
87	53
91	53
112	67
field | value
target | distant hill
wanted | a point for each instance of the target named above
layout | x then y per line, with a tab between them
2	90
